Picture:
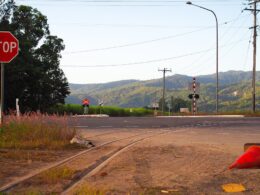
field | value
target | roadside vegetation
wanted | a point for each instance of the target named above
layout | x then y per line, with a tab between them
35	131
113	111
109	110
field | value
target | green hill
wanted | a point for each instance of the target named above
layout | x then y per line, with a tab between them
234	94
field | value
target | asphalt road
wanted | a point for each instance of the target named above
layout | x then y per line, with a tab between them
157	122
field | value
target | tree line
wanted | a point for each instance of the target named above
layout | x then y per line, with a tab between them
34	76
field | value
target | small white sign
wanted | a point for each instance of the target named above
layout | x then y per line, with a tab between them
155	105
184	110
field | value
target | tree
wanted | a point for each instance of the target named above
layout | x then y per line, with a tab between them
34	75
5	9
178	103
161	103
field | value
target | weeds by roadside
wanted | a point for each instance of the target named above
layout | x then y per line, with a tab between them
35	131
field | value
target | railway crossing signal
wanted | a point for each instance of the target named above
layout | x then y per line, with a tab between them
194	96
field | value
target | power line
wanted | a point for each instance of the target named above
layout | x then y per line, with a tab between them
133	5
230	49
130	3
138	26
144	42
232	22
201	66
248	48
143	62
137	43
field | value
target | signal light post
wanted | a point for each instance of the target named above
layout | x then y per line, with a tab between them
194	96
194	101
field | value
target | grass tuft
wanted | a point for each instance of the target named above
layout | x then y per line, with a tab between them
56	175
86	190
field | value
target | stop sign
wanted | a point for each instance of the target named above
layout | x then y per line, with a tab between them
9	47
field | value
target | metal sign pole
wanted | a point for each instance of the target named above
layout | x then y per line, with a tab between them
2	94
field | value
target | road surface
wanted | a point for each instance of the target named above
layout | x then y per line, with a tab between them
158	122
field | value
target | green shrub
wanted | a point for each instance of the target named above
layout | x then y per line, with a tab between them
109	110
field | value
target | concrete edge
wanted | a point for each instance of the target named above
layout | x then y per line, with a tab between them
91	116
204	116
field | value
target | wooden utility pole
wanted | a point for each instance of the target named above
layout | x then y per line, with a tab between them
163	96
255	11
254	58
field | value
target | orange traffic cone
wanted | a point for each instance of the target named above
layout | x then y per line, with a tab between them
250	159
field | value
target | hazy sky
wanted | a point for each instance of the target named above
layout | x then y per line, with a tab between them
113	40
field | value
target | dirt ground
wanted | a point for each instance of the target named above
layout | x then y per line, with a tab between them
191	161
18	163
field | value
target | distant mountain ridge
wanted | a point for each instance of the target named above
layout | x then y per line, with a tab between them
135	93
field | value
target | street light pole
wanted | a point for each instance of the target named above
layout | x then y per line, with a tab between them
217	79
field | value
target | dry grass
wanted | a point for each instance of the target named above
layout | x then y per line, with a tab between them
87	190
56	175
35	131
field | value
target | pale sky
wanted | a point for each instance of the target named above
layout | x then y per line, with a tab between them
114	40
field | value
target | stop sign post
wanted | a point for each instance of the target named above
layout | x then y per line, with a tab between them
9	48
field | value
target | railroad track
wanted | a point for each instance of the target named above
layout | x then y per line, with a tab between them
104	152
101	165
84	166
11	185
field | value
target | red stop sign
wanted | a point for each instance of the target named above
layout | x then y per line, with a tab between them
9	47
